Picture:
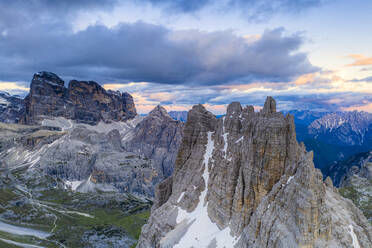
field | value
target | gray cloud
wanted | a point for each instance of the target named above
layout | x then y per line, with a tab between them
145	52
366	79
16	13
254	10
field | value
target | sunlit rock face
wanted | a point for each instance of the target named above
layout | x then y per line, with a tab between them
83	101
244	181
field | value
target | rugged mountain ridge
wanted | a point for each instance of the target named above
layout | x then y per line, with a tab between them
83	158
11	108
157	137
83	101
71	188
130	156
342	172
333	136
244	181
354	177
343	128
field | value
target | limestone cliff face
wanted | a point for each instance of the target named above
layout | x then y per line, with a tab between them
244	181
84	158
83	101
157	137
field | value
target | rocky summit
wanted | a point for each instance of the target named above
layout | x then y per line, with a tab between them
157	137
244	181
83	101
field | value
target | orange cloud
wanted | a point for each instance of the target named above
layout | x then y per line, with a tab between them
121	86
144	109
216	109
360	60
335	101
12	86
367	108
161	96
177	108
304	79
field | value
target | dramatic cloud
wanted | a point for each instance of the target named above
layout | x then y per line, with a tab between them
16	13
176	68
151	53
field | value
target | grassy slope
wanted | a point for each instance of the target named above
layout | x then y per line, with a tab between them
113	215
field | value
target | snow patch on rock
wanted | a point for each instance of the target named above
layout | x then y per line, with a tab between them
201	231
350	229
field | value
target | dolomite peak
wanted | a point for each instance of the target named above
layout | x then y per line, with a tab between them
244	181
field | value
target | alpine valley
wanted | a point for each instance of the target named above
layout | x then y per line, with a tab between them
80	168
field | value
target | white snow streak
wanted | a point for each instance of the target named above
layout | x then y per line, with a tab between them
350	229
3	101
202	231
73	184
240	139
224	137
179	198
289	179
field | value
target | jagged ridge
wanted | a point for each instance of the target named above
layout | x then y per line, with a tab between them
83	101
257	188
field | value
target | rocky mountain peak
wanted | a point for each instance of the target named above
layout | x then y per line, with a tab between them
244	181
48	77
270	106
159	111
158	137
83	101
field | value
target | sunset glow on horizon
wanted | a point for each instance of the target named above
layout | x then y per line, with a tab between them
306	54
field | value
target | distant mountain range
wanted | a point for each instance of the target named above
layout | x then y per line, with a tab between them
333	136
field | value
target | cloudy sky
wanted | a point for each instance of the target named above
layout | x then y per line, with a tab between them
308	54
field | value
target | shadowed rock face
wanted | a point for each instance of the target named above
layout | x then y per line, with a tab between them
157	137
246	175
83	101
11	108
